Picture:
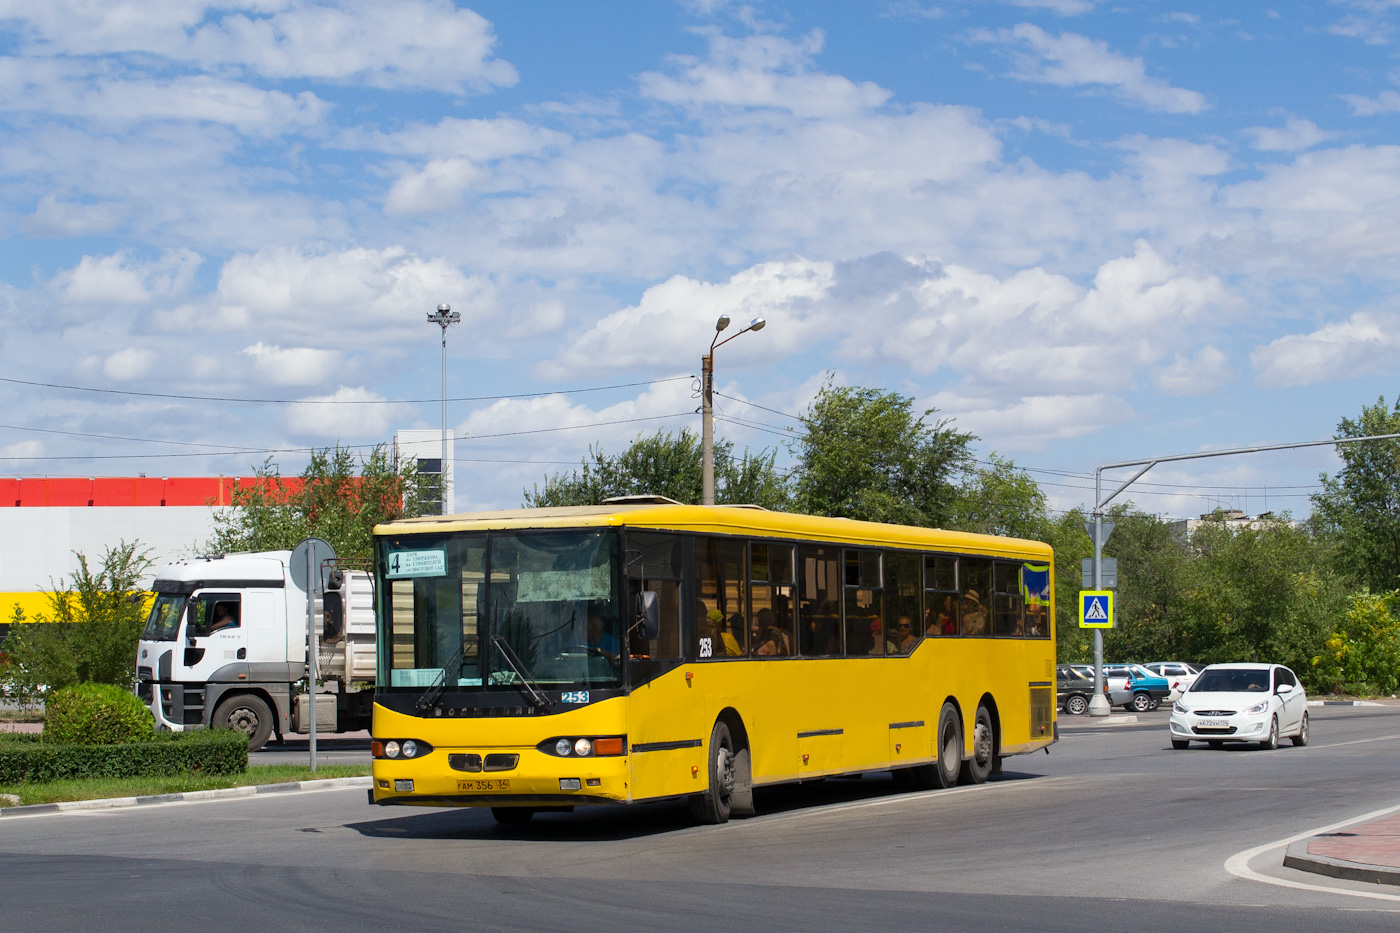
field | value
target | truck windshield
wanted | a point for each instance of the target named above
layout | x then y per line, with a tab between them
551	597
164	623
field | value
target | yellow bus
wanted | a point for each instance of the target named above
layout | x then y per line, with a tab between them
541	659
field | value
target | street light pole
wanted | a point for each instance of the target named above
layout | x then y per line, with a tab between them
707	406
444	318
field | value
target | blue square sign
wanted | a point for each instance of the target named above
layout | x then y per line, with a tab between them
1096	609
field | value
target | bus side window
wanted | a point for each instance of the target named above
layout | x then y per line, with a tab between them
941	595
653	562
819	576
771	634
865	598
976	587
721	569
903	589
1006	615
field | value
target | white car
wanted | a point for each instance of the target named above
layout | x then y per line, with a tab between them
1178	673
1241	703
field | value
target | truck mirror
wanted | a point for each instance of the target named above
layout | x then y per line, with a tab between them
332	616
648	614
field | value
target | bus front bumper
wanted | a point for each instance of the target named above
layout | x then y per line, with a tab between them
537	780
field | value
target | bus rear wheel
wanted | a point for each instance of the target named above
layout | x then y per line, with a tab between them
979	767
713	805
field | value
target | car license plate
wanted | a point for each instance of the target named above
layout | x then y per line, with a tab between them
1213	724
483	785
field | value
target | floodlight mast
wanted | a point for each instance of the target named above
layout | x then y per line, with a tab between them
444	318
1099	706
707	406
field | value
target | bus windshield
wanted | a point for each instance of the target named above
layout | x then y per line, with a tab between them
478	611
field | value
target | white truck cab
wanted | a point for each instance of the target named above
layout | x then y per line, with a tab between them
226	645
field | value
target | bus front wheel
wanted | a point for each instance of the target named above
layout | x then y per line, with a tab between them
978	768
712	806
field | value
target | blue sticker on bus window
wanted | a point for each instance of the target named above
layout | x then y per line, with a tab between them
1035	584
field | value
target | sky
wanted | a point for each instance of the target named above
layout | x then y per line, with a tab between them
1086	232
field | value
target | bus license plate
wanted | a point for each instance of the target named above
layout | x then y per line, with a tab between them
483	785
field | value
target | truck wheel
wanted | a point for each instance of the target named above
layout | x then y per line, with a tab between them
249	715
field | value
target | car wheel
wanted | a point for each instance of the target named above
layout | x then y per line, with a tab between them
1142	702
1076	704
1271	742
512	816
1179	744
1302	737
978	768
712	806
247	714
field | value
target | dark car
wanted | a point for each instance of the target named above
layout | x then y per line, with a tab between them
1073	690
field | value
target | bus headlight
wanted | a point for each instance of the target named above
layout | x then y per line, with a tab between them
578	746
391	749
563	747
583	748
399	748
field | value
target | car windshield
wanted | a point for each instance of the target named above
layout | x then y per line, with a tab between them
164	622
1226	680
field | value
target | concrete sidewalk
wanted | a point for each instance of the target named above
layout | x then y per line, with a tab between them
1365	852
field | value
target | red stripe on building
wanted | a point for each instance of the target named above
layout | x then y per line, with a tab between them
125	491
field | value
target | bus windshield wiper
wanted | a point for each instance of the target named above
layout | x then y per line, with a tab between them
518	666
439	687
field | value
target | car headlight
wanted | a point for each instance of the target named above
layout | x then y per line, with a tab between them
1179	707
1258	708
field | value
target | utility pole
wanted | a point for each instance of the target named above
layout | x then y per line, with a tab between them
444	318
707	406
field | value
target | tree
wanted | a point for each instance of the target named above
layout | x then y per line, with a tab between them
1361	504
1001	500
336	498
91	628
669	465
865	454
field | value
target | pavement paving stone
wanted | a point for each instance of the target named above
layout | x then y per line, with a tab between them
1374	843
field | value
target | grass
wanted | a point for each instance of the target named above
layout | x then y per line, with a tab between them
101	788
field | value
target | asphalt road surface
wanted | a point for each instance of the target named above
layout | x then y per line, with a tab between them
1113	832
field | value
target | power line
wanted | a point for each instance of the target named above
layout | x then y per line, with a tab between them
297	401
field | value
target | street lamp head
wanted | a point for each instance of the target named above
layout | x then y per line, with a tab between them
722	323
757	324
444	308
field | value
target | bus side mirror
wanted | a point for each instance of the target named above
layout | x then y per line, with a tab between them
332	616
648	614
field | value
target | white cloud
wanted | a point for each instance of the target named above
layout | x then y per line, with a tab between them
351	423
1361	344
762	71
1202	374
1295	134
1071	60
1058	7
358	296
102	280
1384	102
130	363
293	366
55	218
407	44
1030	423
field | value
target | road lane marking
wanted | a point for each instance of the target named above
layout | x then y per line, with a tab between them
1384	738
1238	864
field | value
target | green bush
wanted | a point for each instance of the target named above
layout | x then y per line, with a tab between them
32	759
96	714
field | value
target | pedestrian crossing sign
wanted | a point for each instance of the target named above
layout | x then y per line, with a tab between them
1096	609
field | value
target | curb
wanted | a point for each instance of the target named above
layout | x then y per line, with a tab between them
224	793
1298	857
1345	703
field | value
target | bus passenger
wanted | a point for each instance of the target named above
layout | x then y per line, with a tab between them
974	615
772	641
904	636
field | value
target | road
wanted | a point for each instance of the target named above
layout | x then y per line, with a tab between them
1112	832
